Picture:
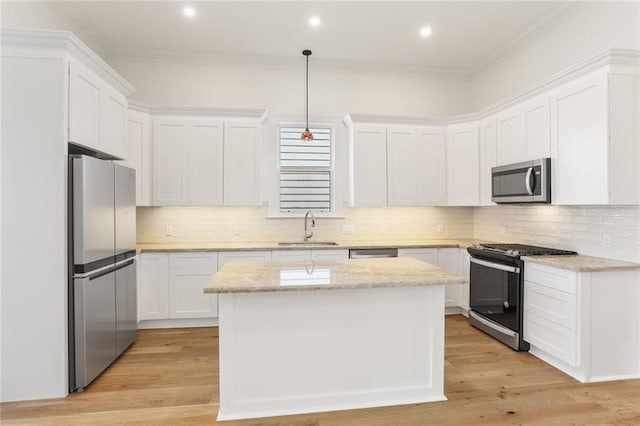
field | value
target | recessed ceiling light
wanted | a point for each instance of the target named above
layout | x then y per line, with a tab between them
189	12
314	21
425	32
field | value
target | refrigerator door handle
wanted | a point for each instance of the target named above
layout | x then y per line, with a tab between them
123	264
97	275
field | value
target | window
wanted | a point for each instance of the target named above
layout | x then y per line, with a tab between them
305	170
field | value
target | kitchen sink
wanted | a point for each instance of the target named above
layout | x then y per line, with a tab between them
308	244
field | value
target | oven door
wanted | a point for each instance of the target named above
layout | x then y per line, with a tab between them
494	292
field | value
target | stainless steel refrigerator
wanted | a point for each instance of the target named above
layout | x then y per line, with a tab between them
102	282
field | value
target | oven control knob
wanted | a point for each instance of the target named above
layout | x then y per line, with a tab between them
506	305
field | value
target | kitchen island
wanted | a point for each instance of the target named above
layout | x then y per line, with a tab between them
323	336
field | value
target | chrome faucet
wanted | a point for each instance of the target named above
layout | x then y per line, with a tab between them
308	234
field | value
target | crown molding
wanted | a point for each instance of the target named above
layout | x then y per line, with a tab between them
68	12
191	111
44	42
548	22
618	60
281	62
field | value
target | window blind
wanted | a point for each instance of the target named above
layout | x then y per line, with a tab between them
305	170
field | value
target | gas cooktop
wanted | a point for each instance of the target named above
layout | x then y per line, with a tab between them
521	249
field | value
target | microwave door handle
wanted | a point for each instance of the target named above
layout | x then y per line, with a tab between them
527	181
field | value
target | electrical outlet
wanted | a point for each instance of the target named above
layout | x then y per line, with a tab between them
382	229
347	229
606	240
168	230
236	229
440	228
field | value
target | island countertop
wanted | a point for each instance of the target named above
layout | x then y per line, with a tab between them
247	277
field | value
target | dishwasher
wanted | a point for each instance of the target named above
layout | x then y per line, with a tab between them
372	253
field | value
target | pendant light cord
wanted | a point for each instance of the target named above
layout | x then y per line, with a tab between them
307	92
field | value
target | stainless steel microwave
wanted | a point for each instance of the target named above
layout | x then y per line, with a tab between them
526	182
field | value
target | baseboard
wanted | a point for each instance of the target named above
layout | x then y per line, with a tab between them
178	323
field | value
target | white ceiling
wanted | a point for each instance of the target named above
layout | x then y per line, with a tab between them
466	35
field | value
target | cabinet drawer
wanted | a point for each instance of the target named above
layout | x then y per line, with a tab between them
194	261
558	341
553	305
555	278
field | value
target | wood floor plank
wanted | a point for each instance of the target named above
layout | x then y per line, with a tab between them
170	377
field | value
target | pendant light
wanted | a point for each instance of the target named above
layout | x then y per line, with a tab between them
307	135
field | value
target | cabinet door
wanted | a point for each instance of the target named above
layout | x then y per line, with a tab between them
579	139
113	122
368	151
427	255
329	255
139	154
241	164
403	163
189	273
463	188
488	160
431	157
243	256
153	292
536	133
168	162
510	141
449	260
291	255
84	106
203	151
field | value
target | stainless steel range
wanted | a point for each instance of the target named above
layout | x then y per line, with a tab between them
496	289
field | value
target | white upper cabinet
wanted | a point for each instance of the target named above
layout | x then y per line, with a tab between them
169	188
97	112
368	174
403	165
488	158
139	154
397	166
523	131
431	152
594	139
463	187
205	162
242	163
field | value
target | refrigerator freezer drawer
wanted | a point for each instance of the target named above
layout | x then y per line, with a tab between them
95	326
126	306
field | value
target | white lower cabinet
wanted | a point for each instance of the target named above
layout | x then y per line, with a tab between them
332	254
189	273
586	324
243	256
170	287
153	286
451	259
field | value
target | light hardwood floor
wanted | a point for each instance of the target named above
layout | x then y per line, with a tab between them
170	377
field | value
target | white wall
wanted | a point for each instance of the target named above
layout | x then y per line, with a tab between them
280	89
46	15
612	232
595	27
34	235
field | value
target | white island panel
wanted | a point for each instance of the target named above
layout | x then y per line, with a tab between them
309	351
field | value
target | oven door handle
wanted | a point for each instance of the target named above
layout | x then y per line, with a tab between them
492	325
493	265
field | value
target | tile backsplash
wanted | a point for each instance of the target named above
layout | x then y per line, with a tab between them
247	224
604	231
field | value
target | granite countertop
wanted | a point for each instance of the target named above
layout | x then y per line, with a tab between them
271	245
581	263
239	277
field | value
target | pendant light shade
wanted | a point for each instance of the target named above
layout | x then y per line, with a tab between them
307	135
